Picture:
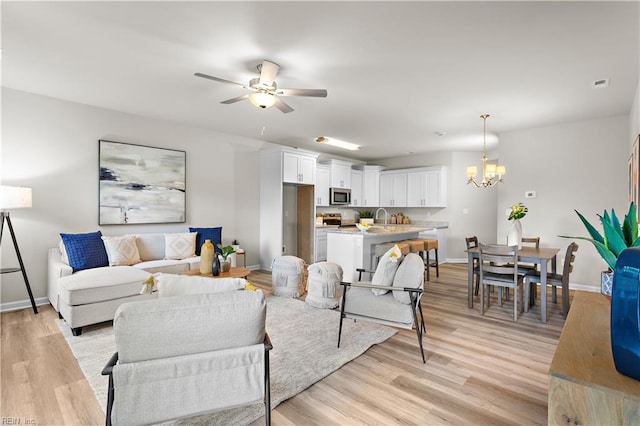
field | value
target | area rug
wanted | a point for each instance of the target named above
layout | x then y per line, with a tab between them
304	351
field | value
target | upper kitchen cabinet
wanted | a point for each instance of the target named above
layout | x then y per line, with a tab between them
322	185
371	186
340	174
299	168
393	189
356	188
427	187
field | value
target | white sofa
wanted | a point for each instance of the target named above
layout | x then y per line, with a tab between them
92	295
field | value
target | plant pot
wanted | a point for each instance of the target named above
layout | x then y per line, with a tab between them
225	266
514	236
367	221
606	283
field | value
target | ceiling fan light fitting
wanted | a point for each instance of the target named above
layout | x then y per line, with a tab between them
262	99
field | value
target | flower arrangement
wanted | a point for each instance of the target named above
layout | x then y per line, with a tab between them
518	211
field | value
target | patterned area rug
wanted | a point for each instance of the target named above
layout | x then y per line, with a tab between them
304	351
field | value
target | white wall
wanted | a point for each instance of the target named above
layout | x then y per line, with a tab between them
52	146
580	166
634	117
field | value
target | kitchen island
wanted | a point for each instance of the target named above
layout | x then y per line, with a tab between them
352	248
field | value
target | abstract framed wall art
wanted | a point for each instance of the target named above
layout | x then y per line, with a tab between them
141	184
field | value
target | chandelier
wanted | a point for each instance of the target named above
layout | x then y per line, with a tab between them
491	173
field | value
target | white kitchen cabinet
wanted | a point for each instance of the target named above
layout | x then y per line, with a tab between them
340	173
356	188
322	185
320	253
393	189
298	168
371	186
426	187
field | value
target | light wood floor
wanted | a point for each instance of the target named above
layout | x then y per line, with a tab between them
480	369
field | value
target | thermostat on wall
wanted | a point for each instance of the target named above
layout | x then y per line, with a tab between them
530	194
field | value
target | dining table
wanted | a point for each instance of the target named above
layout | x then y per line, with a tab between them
540	255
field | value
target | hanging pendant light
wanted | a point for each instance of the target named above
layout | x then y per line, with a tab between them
491	173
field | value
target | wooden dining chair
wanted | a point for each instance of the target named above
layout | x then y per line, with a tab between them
472	242
499	267
555	280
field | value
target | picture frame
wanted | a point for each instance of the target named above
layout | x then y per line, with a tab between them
140	184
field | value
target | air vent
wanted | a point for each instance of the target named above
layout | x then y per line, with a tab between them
600	83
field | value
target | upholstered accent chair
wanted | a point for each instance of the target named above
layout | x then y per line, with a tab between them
186	355
394	301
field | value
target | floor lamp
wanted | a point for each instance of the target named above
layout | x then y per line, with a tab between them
15	197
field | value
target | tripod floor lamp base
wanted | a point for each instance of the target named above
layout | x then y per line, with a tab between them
7	218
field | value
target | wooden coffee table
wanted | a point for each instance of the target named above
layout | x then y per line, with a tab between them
233	273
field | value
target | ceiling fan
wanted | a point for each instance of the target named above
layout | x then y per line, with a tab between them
264	90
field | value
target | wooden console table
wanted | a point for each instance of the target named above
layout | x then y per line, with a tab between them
584	386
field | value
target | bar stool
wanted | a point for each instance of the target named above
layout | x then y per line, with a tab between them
429	245
382	248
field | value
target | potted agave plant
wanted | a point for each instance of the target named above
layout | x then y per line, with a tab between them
366	218
225	252
616	238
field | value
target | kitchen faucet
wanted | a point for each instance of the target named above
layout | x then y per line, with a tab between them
385	215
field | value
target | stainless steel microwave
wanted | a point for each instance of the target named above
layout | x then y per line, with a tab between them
339	196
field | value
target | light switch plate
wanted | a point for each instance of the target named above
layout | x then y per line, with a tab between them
530	194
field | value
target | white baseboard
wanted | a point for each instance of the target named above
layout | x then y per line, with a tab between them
22	304
584	287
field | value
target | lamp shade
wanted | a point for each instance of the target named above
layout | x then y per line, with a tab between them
262	99
14	197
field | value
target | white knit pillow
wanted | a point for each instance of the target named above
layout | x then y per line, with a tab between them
180	285
122	250
386	269
180	246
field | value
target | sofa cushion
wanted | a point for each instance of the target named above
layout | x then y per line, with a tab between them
386	270
85	251
180	246
180	285
168	266
410	274
150	246
213	234
121	250
100	284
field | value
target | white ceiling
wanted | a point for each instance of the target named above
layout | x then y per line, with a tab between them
395	72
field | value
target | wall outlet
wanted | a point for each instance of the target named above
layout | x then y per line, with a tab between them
530	194
465	211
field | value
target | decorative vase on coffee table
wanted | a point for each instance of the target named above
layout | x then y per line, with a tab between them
206	257
514	236
225	266
215	266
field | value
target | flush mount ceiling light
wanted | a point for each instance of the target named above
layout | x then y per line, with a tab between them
491	173
337	143
262	99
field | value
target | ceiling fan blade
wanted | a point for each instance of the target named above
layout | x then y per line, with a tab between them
318	93
282	106
221	80
268	72
234	100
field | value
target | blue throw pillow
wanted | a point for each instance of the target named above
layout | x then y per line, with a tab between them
213	234
85	251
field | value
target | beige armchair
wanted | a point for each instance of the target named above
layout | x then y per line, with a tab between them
398	307
182	356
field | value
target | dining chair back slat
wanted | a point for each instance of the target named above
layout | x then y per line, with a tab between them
499	267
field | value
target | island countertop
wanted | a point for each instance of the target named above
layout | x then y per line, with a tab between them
378	230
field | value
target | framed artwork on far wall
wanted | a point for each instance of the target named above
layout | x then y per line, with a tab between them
141	184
